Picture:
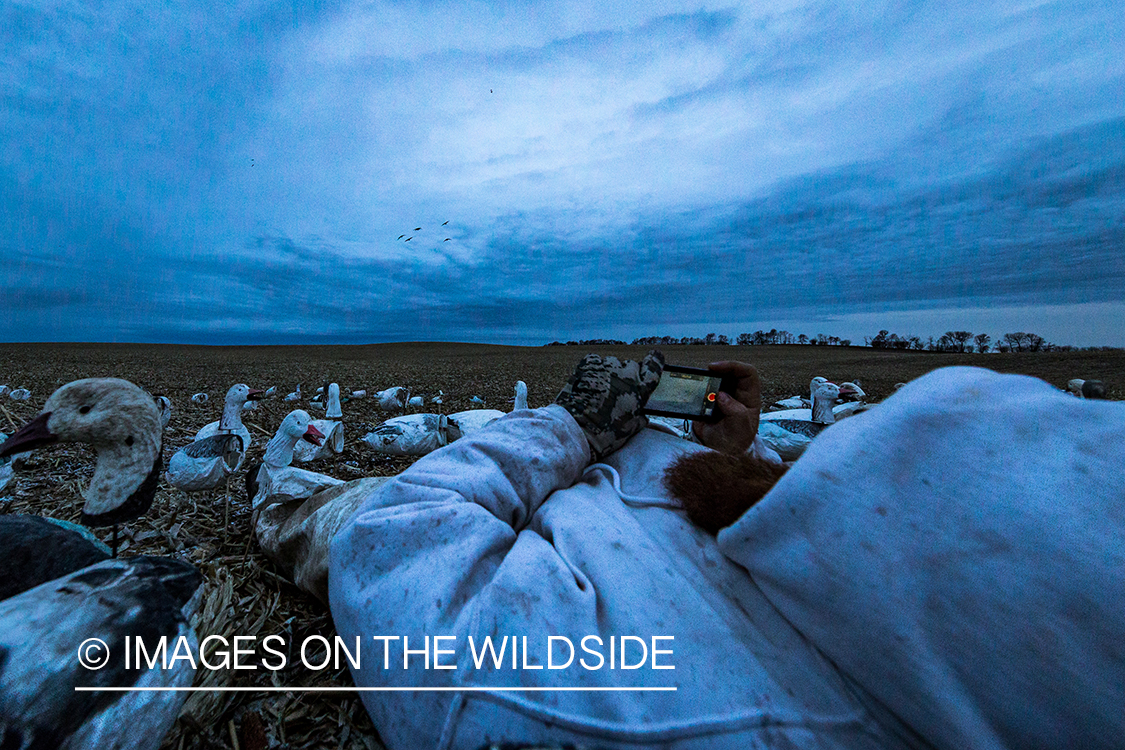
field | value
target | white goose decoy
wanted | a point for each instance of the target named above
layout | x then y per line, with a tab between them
790	432
200	398
476	401
798	402
392	399
218	449
295	395
45	630
413	434
121	422
20	394
164	404
358	394
474	419
416	402
331	429
4	390
276	476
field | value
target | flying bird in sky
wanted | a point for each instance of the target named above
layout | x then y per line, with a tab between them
400	237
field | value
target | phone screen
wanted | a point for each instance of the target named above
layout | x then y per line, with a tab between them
688	393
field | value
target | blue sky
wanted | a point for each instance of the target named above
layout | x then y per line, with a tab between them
241	173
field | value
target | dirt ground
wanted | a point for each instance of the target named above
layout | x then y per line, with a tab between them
244	593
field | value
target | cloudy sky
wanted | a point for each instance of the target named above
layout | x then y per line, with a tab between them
242	172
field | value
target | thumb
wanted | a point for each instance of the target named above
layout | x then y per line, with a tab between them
729	405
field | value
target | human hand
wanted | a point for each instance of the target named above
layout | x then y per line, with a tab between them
735	431
605	396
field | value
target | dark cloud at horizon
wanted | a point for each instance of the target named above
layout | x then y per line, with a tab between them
242	179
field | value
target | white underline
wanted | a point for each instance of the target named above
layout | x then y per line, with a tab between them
272	689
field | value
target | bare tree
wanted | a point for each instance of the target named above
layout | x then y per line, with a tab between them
982	340
802	339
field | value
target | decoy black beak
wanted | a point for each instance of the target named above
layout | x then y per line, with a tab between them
255	395
32	435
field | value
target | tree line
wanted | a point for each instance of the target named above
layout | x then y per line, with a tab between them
950	341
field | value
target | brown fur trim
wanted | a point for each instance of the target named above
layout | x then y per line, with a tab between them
717	488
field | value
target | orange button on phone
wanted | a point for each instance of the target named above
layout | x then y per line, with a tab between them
710	396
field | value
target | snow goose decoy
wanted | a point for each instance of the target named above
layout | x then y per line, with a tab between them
474	419
43	628
164	404
275	475
476	401
357	394
218	449
121	422
295	395
392	399
790	432
331	430
20	394
413	434
416	402
200	398
4	391
798	402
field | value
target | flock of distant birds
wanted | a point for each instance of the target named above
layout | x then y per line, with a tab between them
51	603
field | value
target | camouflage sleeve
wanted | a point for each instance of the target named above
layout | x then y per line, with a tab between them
605	396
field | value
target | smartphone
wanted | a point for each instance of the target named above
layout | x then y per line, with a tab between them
689	393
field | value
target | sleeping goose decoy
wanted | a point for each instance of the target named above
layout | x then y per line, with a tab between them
413	434
474	419
121	422
44	632
20	394
200	398
358	394
218	449
392	399
476	401
330	429
790	432
416	402
275	475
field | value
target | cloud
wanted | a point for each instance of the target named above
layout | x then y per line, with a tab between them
201	174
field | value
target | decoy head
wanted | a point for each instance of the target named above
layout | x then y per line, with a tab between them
122	423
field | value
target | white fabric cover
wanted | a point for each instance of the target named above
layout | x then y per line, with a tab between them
500	534
960	552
